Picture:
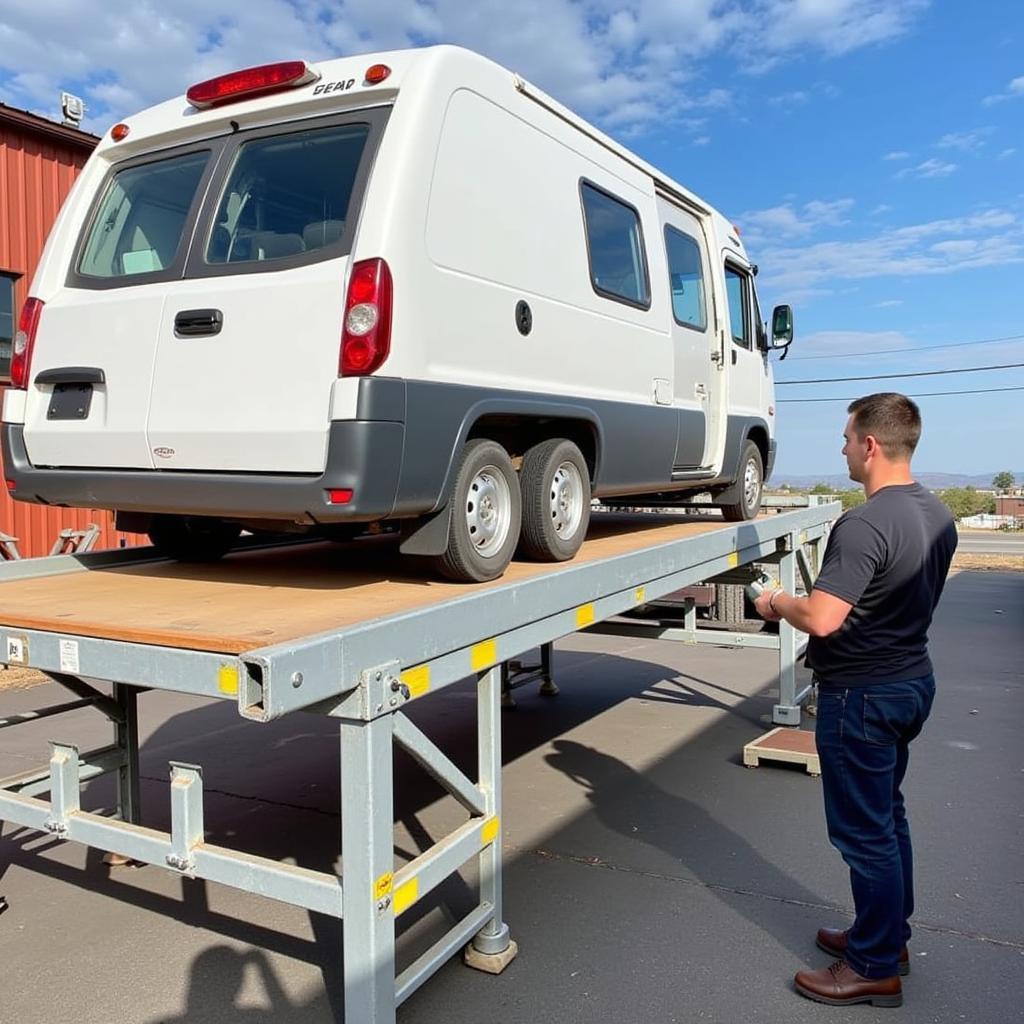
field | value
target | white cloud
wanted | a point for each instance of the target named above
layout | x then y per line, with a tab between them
785	221
888	303
623	63
897	155
880	209
989	238
796	98
1014	91
702	140
968	142
1007	153
834	26
931	168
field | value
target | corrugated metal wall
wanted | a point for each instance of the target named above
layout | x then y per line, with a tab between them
36	173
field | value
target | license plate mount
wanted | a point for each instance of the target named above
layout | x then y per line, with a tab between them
70	402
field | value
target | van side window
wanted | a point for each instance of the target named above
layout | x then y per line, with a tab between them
618	268
139	224
6	325
686	279
736	287
287	194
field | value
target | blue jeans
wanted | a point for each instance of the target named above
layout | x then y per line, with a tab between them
863	735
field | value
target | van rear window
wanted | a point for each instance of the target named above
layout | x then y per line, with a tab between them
287	194
139	225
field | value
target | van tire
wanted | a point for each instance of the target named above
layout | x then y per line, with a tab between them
193	538
749	486
555	483
475	554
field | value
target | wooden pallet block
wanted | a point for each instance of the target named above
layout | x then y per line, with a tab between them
785	743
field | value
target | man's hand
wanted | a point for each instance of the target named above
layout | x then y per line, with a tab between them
763	606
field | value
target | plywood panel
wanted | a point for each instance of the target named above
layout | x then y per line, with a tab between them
259	598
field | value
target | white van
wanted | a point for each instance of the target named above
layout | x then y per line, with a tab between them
407	288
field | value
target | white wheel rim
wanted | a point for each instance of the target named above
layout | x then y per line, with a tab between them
751	483
488	511
566	500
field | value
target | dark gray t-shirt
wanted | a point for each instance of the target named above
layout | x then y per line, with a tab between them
888	558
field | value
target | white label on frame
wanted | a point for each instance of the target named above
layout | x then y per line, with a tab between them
15	651
69	656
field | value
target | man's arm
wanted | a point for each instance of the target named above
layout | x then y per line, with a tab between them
820	614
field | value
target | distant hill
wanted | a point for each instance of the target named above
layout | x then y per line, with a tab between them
934	481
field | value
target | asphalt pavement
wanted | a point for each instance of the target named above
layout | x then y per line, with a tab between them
649	878
991	542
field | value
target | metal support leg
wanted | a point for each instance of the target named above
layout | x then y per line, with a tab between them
548	687
493	938
126	737
367	824
787	711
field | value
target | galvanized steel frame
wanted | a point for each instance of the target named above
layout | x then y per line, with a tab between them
364	675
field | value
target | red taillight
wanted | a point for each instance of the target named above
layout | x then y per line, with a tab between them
24	342
339	496
11	485
366	337
250	82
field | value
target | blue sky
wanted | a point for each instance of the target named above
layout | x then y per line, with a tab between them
871	151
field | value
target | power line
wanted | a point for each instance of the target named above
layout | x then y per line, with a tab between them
923	394
890	376
909	351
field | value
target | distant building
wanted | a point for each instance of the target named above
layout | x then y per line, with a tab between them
1010	505
39	161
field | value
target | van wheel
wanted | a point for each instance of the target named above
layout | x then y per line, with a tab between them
555	482
486	515
750	484
193	538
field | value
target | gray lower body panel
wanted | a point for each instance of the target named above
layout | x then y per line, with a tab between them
397	457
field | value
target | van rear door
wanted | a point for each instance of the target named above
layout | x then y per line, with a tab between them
104	323
249	341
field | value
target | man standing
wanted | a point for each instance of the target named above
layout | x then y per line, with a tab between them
868	616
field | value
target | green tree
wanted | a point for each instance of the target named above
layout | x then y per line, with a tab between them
966	501
822	488
1003	481
851	499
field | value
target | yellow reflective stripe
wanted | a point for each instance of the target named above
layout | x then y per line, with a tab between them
227	680
417	679
406	895
483	655
490	830
734	560
640	595
584	616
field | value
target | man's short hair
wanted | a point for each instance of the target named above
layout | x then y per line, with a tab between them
892	419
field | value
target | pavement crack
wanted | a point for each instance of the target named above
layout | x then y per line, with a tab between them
600	863
255	799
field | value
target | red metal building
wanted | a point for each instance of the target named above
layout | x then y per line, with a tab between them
39	160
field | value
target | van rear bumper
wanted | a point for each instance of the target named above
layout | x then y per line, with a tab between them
364	456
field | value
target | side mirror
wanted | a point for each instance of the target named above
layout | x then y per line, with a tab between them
782	327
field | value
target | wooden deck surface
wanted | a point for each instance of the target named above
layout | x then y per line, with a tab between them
255	599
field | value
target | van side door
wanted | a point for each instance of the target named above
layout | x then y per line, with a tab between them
693	335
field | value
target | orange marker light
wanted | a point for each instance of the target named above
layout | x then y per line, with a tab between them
376	74
119	132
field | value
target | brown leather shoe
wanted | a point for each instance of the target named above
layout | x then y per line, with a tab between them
841	985
833	941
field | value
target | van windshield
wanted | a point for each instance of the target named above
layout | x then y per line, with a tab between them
140	222
287	195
